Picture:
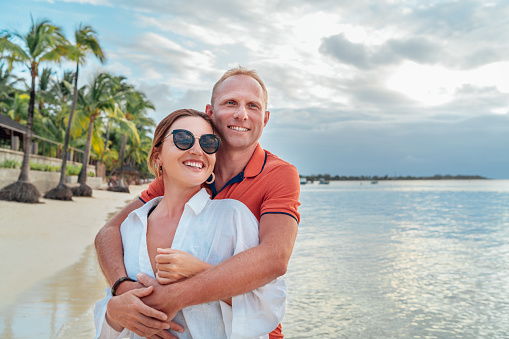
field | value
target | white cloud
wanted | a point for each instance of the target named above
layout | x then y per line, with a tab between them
437	85
501	110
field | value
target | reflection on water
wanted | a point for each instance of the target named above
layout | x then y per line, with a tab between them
59	307
394	260
401	260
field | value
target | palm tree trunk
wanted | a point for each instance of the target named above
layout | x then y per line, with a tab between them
122	154
68	130
25	167
106	140
82	177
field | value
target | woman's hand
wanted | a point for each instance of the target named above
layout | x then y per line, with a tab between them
174	265
128	311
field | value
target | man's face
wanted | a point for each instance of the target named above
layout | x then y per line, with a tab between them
239	112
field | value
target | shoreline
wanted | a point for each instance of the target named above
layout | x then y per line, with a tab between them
39	240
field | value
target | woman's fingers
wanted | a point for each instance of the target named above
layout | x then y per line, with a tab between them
164	258
166	268
165	250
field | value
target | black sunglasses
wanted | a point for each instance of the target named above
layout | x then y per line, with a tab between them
184	140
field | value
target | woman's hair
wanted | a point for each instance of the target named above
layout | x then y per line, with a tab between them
162	131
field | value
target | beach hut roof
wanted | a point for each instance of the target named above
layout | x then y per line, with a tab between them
8	123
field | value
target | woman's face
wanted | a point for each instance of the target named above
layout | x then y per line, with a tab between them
190	167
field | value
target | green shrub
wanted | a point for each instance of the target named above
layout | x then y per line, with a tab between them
50	168
8	163
91	174
5	144
73	169
36	166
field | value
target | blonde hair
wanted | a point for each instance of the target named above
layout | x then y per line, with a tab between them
162	130
240	71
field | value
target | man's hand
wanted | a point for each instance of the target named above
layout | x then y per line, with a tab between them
174	265
162	298
128	311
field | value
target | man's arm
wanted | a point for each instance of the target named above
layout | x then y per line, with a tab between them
239	274
110	253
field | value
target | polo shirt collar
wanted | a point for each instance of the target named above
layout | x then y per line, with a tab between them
253	168
256	163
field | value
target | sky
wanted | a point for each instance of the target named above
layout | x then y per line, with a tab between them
400	87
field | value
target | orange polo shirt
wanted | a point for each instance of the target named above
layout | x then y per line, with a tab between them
266	185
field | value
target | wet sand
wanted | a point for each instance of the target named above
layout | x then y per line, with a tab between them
51	278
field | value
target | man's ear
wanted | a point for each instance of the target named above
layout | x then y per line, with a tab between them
209	110
266	118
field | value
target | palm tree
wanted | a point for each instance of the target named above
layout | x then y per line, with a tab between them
18	110
134	106
44	123
85	42
44	42
95	100
7	89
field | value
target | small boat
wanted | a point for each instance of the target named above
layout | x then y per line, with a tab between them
374	182
303	181
323	181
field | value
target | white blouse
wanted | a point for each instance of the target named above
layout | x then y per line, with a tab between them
212	231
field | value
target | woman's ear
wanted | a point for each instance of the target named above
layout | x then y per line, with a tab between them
156	157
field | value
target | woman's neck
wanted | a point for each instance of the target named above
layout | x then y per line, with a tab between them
175	197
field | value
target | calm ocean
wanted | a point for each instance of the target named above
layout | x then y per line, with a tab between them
401	259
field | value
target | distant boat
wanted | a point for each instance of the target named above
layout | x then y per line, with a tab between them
303	181
374	182
323	181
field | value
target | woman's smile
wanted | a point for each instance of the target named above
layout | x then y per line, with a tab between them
194	164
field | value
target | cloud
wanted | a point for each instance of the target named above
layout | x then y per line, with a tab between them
343	50
438	85
418	49
157	58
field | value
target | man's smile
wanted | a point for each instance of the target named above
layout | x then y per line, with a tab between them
238	128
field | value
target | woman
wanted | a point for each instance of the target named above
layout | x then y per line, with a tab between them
203	232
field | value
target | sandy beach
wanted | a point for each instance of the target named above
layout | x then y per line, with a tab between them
37	241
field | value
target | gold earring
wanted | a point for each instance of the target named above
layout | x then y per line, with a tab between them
210	181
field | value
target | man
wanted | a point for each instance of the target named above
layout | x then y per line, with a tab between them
267	185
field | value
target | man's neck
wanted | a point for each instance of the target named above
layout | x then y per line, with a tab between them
229	163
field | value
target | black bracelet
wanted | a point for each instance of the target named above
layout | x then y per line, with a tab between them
115	285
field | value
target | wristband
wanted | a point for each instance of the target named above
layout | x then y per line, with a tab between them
115	285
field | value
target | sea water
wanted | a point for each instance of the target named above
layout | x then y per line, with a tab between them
401	259
396	259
